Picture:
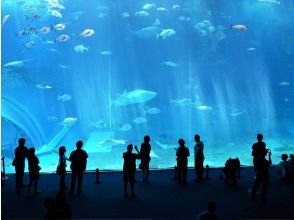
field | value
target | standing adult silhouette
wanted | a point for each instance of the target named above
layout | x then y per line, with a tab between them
145	158
259	152
130	169
182	161
61	168
78	165
198	158
19	162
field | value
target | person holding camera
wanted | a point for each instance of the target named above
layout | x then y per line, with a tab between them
129	168
259	152
262	177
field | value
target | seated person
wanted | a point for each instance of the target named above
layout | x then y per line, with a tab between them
231	169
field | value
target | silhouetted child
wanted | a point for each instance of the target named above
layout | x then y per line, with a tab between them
78	165
259	151
62	209
262	177
284	168
145	158
130	168
19	162
51	208
61	168
182	161
231	170
198	158
34	169
210	213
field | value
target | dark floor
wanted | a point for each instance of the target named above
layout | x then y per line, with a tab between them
162	198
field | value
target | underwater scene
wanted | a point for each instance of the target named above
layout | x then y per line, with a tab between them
109	72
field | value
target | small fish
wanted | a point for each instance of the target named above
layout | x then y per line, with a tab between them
48	42
161	9
270	1
68	121
86	33
141	13
45	30
41	86
125	14
125	127
148	6
59	27
251	49
140	120
237	113
16	63
55	13
239	27
62	38
204	108
33	17
52	118
81	48
29	44
170	63
99	124
153	155
53	50
63	66
176	7
166	33
181	18
182	102
157	22
64	98
5	18
284	83
153	111
106	53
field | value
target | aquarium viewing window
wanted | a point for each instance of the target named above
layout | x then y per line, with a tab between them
110	72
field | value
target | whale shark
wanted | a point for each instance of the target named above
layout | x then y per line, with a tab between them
137	96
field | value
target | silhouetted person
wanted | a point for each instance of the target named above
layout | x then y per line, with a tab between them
51	208
210	213
231	170
34	169
182	161
61	168
78	165
262	177
130	169
199	158
19	162
145	158
62	209
284	168
259	151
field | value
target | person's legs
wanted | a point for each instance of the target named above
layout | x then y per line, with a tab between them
180	174
185	174
255	185
125	179
132	180
80	182
201	169
73	182
147	172
62	182
30	185
265	181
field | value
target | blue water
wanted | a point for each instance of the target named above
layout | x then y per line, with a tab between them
129	79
